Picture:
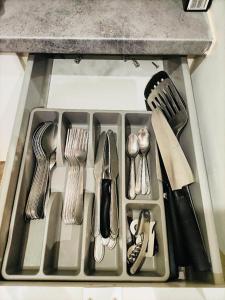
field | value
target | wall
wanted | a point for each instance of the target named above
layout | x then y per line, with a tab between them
11	76
208	79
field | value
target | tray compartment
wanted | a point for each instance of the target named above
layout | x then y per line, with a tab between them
134	122
26	237
112	261
63	242
156	266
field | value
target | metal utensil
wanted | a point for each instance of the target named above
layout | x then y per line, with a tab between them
136	255
81	154
75	154
43	144
143	180
109	224
72	179
132	151
98	173
113	174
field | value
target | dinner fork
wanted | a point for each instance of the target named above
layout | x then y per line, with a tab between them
72	179
81	154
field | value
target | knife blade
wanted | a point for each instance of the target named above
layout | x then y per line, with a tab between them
175	162
180	176
113	173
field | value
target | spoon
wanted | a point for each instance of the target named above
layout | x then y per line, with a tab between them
132	150
143	174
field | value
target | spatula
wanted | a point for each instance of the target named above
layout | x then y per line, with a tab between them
180	176
161	92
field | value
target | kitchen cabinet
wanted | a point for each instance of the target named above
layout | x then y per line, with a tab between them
54	82
60	82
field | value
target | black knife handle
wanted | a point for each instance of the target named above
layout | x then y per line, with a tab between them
174	273
105	208
180	250
192	236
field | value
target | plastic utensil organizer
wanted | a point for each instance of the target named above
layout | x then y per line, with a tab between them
48	250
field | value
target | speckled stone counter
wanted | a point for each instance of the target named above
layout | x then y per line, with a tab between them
146	27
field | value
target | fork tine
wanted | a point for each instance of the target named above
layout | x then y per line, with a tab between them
154	102
172	99
167	103
162	106
178	100
81	139
67	141
86	141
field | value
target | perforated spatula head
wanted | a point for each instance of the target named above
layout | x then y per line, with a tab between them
161	92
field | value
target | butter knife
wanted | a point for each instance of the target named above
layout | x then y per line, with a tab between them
113	174
98	173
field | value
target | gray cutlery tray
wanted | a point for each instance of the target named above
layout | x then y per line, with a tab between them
47	249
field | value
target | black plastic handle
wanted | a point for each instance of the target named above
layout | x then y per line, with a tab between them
174	273
180	250
192	236
105	208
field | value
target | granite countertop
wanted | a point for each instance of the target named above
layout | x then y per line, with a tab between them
146	27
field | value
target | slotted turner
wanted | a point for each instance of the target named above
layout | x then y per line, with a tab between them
161	92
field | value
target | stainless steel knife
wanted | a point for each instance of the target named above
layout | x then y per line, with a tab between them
98	173
113	174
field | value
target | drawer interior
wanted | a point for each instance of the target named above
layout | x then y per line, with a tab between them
94	84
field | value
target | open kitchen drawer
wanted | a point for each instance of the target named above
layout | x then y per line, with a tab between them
106	83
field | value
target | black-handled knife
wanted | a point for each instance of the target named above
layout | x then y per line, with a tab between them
192	235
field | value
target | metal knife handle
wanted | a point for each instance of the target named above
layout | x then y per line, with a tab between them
192	235
98	191
148	184
138	181
79	205
143	176
114	214
105	208
36	192
141	256
131	191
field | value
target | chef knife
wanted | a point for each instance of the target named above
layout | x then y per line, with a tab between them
180	176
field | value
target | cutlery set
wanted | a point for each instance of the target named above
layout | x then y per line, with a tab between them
44	146
144	215
139	145
75	154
